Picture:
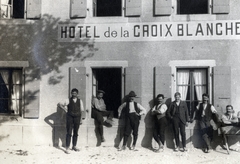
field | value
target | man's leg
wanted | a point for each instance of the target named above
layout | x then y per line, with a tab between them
76	121
97	115
162	127
183	134
127	132
69	126
176	132
135	125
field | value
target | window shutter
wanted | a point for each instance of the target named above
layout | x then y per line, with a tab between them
33	9
221	87
31	92
78	80
163	7
133	8
221	6
78	8
133	81
163	82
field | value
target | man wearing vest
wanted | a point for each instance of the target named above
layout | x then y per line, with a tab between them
131	111
178	113
159	114
98	111
73	118
204	114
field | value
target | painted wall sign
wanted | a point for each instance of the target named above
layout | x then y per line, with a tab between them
149	31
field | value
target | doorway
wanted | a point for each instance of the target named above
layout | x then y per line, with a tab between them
109	80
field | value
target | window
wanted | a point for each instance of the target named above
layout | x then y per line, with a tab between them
193	7
104	8
192	83
12	8
10	91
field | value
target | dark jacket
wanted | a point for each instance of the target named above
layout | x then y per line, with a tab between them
183	111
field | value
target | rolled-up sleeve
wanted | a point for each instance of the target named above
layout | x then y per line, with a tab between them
142	109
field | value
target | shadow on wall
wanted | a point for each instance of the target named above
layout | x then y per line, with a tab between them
57	121
37	42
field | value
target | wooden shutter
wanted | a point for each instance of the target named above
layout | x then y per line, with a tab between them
221	6
163	7
33	9
133	81
78	8
221	88
31	93
78	80
163	82
133	8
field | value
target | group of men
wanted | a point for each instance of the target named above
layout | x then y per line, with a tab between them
131	112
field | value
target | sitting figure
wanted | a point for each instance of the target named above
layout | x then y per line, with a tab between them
229	117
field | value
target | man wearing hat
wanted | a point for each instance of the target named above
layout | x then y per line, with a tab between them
98	111
131	112
204	114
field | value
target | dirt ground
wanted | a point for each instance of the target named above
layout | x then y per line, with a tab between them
111	155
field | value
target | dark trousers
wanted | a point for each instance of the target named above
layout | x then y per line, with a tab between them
98	116
206	132
73	124
159	130
132	122
179	125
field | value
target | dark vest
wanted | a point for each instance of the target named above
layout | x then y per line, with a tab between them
126	110
74	109
208	112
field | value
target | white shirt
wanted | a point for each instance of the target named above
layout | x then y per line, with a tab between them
75	100
162	108
131	108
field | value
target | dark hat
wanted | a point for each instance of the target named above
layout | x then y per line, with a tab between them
132	94
100	91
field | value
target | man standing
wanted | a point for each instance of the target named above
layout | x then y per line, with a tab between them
73	118
131	111
178	113
159	113
98	111
205	113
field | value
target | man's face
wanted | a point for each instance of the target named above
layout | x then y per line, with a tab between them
205	98
229	110
74	94
160	100
100	95
131	99
177	97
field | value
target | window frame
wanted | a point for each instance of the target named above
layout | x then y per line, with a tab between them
11	10
11	84
208	8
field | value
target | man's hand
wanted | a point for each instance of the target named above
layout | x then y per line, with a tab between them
186	124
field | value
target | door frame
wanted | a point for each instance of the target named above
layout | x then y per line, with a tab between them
101	64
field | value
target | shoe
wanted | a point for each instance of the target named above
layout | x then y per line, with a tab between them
103	139
75	148
67	151
176	149
107	124
133	147
185	149
122	148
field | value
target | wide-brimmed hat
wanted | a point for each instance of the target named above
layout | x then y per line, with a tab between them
100	91
132	94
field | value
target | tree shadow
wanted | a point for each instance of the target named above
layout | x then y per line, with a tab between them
36	41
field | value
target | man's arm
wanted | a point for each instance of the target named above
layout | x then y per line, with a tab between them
120	108
63	106
142	109
163	109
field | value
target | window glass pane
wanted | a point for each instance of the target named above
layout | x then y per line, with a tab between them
17	77
193	6
4	76
109	7
4	91
18	8
16	106
3	105
17	92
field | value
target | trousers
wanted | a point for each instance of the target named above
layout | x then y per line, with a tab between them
72	124
178	125
159	130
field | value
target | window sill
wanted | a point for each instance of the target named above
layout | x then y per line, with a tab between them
9	118
106	19
194	17
17	21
